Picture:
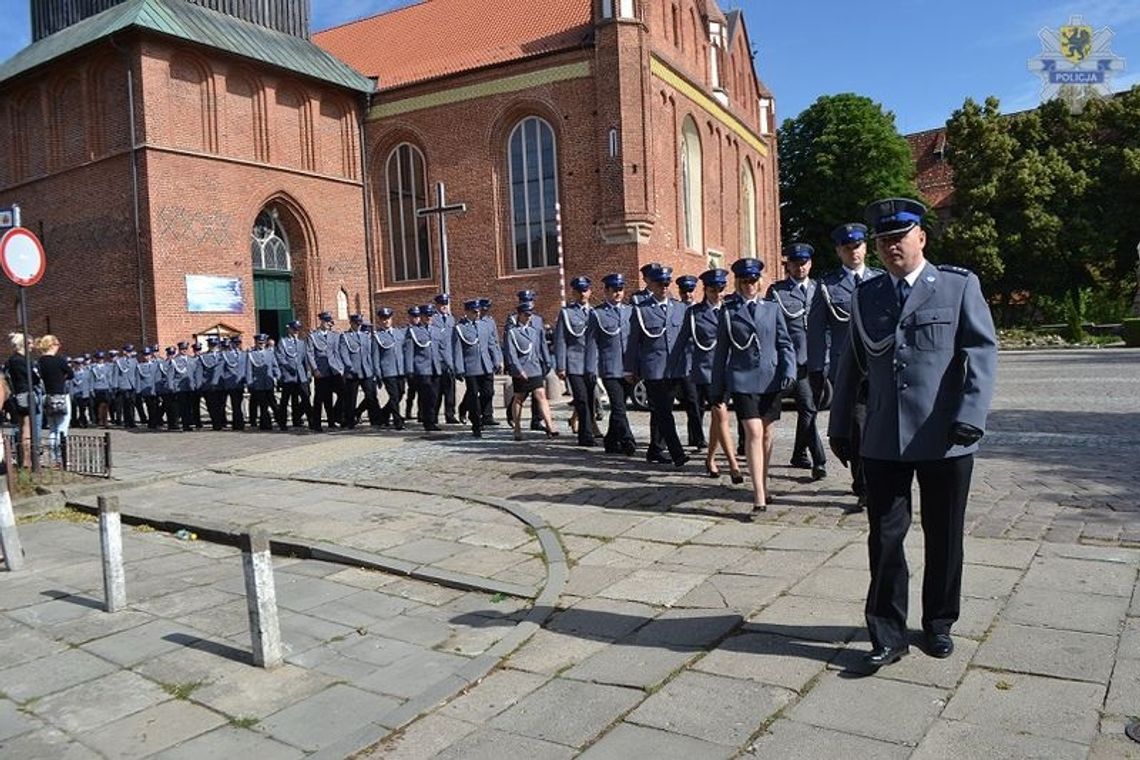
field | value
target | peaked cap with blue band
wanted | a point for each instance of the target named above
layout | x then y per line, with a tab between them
847	234
798	252
687	283
747	267
614	280
893	216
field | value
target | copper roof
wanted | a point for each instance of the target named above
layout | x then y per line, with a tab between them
435	38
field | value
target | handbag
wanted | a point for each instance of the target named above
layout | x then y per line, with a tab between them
57	403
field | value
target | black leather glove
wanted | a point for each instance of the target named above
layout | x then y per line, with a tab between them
964	434
841	448
787	383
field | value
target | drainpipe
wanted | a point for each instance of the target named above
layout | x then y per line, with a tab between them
134	186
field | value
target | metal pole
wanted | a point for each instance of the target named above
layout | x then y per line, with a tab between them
33	412
561	261
445	275
135	197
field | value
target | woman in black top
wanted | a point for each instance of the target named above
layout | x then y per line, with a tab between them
17	370
55	372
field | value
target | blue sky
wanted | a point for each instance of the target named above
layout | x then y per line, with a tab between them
919	58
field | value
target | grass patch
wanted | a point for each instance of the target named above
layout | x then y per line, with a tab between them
1003	686
244	722
182	690
141	528
498	597
59	515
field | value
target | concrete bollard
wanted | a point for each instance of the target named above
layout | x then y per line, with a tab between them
111	539
261	599
9	536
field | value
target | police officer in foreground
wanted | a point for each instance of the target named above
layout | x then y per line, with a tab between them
656	353
610	334
356	364
388	368
293	362
261	376
829	320
576	357
324	360
444	321
473	361
424	363
924	339
691	400
794	296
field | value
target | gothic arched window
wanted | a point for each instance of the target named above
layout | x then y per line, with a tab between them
533	160
269	245
408	237
691	186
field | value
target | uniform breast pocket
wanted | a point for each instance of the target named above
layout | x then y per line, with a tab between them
931	329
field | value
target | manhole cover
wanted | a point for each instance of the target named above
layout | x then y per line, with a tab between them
1132	730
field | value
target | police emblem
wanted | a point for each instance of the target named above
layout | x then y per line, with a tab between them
1076	63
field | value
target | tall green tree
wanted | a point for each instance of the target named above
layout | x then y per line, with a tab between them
840	154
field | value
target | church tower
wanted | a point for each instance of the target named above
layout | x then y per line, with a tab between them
288	16
621	60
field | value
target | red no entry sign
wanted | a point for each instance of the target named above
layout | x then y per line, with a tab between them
22	256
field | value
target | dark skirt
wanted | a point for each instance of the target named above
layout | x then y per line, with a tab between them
757	406
529	385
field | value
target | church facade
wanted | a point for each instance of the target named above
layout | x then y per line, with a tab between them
206	166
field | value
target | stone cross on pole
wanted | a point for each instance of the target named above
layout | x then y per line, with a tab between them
440	210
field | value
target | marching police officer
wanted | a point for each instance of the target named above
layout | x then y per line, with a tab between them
293	363
536	322
388	366
474	361
924	339
424	362
356	364
690	398
262	374
576	357
528	361
324	360
611	325
754	362
125	386
794	296
231	380
701	329
444	321
210	383
491	335
828	335
645	293
656	353
148	373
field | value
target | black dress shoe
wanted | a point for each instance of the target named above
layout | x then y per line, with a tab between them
880	657
658	459
801	464
939	645
680	461
853	509
628	448
818	473
453	421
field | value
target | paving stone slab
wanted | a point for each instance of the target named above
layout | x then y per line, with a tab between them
834	583
45	743
716	709
741	593
95	703
135	645
768	658
600	524
918	668
602	619
588	580
324	718
1117	554
501	689
999	552
228	620
1123	689
13	722
362	577
701	558
300	632
423	739
301	593
59	610
632	665
153	729
186	601
1045	651
1112	743
96	626
50	674
878	708
493	744
627	553
550	652
965	740
1090	613
656	587
567	712
803	617
629	740
813	539
231	742
362	608
670	529
1028	704
407	677
778	563
691	629
985	582
752	535
26	645
975	616
791	740
1081	576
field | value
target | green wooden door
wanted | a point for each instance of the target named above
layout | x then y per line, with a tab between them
273	299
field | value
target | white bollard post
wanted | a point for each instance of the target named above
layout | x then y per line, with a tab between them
111	539
261	599
9	537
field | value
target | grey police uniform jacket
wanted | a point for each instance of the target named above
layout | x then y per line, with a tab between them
81	383
444	325
147	378
210	371
422	351
471	353
233	369
702	323
490	332
525	351
927	367
754	353
829	319
261	370
125	378
355	354
575	351
180	374
795	304
610	337
292	360
656	348
388	352
324	358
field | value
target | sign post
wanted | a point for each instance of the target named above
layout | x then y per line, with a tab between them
23	260
441	209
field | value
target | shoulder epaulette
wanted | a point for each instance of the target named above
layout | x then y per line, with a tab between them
956	270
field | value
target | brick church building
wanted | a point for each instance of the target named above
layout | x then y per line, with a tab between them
197	166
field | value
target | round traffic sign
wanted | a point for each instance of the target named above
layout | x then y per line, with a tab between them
22	256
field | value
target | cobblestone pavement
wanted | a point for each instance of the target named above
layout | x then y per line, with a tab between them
682	631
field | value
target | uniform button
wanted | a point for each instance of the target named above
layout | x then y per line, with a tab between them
902	345
905	386
902	365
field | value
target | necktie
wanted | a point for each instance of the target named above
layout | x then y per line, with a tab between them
803	289
752	309
903	288
858	279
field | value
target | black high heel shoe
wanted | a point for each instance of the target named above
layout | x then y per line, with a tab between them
551	433
712	473
737	477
